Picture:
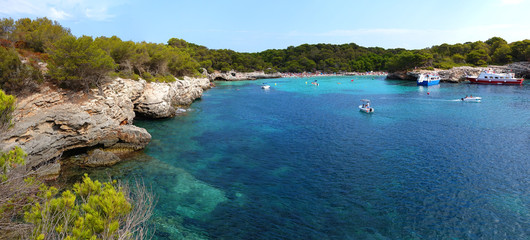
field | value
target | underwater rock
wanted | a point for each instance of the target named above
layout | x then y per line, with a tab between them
99	158
194	198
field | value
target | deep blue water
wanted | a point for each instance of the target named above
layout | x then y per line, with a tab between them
301	162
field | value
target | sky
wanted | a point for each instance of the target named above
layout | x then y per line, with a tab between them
255	26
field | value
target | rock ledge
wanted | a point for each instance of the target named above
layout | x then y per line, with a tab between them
54	124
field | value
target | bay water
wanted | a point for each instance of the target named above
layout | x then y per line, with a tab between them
300	161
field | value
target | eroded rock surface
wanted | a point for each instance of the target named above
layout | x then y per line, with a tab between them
237	76
55	123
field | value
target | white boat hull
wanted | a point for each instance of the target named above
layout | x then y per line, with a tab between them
472	99
366	110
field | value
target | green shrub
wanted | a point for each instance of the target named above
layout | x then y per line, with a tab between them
147	76
78	63
128	75
10	160
18	194
92	210
7	107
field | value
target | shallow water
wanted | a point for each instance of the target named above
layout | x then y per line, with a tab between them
300	161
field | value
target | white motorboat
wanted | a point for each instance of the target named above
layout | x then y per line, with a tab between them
471	99
365	107
265	86
491	77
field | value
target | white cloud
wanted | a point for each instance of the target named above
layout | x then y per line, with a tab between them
97	10
98	14
58	14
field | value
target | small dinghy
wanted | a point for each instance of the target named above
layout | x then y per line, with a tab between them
365	107
471	99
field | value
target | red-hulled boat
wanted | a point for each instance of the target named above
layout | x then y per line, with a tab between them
490	77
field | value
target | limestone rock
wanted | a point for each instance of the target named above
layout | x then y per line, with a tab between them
458	74
400	75
99	157
237	76
521	69
159	100
54	124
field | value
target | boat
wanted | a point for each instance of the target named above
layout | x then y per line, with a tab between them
471	99
365	107
428	79
265	86
491	77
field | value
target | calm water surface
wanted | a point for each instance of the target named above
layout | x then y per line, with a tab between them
301	162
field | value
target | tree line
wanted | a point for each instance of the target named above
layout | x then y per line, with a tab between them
85	62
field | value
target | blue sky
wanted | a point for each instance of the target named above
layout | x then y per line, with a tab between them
253	26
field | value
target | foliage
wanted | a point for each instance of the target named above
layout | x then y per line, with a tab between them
37	34
14	75
9	65
7	107
478	57
10	160
81	63
520	50
92	210
7	25
409	60
78	63
18	194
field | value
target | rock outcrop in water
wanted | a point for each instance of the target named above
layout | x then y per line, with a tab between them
521	69
55	123
237	76
458	74
159	100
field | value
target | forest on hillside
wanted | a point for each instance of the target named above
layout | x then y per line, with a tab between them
37	50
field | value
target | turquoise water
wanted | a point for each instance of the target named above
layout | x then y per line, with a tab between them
300	161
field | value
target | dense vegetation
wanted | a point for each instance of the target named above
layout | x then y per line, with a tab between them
84	62
7	107
91	210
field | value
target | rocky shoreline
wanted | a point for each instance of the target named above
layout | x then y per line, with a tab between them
458	74
55	125
237	76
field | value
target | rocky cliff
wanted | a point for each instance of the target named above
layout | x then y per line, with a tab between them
55	124
160	100
237	76
521	69
458	74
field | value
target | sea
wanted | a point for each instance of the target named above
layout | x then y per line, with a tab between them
300	161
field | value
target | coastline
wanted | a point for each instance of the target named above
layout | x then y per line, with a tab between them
459	74
57	127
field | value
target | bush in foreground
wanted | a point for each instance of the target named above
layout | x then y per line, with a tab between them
91	210
7	107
